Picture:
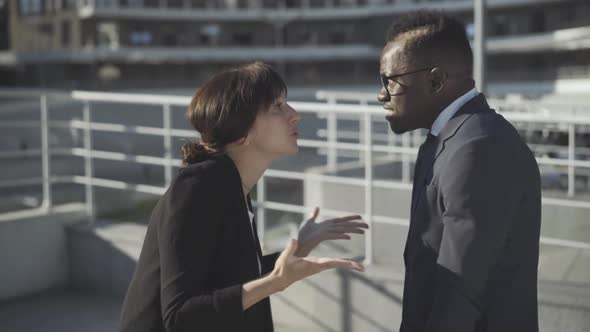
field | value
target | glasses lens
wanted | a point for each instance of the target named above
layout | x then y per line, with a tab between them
385	83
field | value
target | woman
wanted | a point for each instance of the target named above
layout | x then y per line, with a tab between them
201	267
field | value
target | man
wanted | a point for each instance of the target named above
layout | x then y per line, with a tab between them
472	250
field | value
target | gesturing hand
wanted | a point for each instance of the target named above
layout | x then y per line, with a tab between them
290	268
313	233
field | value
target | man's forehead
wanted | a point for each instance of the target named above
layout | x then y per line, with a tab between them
392	56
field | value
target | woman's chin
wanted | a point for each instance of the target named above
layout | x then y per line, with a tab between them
293	150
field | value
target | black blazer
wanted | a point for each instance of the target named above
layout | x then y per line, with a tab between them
473	244
198	251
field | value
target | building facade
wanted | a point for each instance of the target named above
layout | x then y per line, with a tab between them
106	44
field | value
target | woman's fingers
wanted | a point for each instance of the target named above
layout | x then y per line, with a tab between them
331	263
359	224
347	218
347	230
315	213
337	236
290	249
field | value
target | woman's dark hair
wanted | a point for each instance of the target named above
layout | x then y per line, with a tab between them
224	108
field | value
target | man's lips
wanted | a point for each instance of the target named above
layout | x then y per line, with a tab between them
390	111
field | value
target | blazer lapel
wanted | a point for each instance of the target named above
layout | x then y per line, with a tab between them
475	105
255	230
243	219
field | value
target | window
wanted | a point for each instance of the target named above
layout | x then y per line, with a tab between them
210	34
243	38
30	7
140	38
65	34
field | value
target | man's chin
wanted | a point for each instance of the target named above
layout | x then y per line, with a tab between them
395	126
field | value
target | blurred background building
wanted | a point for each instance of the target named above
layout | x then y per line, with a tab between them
111	44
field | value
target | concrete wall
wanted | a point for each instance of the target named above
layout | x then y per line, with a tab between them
103	256
33	257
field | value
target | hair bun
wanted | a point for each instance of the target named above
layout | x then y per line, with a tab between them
193	152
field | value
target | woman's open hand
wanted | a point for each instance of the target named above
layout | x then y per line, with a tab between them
313	233
290	268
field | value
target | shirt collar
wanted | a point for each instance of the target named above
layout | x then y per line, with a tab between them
447	113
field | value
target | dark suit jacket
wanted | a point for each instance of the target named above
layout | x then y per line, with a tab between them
198	251
473	244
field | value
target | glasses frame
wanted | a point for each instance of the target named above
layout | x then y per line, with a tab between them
385	80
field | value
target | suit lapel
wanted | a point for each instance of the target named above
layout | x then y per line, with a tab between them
475	105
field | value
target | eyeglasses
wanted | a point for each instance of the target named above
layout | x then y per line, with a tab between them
386	81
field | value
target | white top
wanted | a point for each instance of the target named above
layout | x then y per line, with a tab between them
254	237
444	116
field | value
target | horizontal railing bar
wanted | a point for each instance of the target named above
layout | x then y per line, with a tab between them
110	127
315	107
313	176
117	156
306	107
565	202
564	243
114	184
302	143
20	182
340	95
19	153
336	179
31	93
398	221
128	98
144	130
62	179
20	124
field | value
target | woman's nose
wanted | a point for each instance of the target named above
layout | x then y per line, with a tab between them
295	117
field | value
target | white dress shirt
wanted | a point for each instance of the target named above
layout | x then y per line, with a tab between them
447	113
251	215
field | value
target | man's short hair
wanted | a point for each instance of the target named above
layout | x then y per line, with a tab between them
429	33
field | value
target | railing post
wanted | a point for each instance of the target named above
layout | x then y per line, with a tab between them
368	187
260	217
391	141
332	134
88	167
45	156
571	169
362	136
167	124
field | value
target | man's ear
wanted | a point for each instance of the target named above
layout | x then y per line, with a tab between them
438	80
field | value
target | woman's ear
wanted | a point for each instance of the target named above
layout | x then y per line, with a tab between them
244	140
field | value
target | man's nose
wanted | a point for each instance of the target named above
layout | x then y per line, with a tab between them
383	96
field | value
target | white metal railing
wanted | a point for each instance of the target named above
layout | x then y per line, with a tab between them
331	110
